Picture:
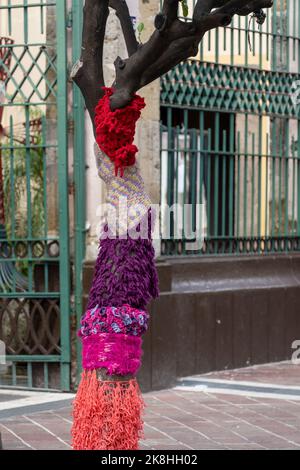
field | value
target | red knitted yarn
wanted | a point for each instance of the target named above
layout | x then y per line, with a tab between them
107	415
115	129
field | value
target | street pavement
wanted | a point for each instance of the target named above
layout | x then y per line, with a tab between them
252	408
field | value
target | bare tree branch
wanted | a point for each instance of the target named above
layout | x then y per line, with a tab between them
172	41
122	12
222	16
87	73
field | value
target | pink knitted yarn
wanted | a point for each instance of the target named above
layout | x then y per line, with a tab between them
118	353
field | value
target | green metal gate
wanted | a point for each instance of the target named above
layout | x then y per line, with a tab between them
36	183
230	140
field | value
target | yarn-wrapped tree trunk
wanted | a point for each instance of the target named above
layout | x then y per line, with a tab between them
108	406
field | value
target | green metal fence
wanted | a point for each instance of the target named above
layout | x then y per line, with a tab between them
35	275
230	141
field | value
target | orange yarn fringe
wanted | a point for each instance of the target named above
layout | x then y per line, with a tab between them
106	414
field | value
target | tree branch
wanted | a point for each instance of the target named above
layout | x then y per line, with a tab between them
222	16
174	41
122	12
171	42
87	73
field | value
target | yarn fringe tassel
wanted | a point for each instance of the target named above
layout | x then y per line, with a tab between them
107	415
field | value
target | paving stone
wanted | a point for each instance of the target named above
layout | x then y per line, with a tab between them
178	419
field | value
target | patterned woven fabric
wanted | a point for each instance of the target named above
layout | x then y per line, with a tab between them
125	320
126	199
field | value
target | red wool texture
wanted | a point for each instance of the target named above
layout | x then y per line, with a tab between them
107	415
115	130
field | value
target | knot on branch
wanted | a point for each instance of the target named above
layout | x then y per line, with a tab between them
260	16
120	63
160	22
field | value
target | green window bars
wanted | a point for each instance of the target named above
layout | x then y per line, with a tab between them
230	141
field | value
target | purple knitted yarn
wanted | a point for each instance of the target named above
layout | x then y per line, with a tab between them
125	273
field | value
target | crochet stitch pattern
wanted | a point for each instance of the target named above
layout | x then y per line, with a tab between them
129	189
124	319
115	129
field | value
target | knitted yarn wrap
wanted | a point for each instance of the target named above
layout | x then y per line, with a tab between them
126	197
117	353
124	320
115	129
125	272
108	413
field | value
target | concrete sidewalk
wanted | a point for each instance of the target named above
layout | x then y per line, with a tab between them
253	408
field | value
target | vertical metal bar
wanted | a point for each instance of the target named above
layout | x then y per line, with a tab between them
186	160
246	40
253	184
273	172
239	36
9	18
25	19
294	33
287	21
29	374
274	35
293	187
193	177
268	42
217	42
28	193
209	157
170	192
267	186
12	179
280	161
259	176
46	375
79	175
42	15
231	177
224	189
202	157
44	157
286	180
245	209
14	374
232	41
238	189
64	266
175	182
216	175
